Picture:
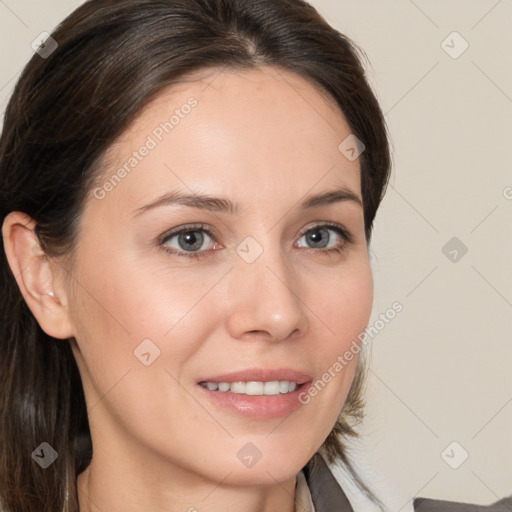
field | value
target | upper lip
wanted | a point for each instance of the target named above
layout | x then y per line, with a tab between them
261	375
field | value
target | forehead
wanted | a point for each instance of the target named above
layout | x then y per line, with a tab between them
262	130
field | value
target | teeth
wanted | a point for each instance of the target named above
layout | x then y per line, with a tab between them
272	388
253	388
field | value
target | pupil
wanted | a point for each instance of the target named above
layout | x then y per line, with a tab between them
316	236
192	240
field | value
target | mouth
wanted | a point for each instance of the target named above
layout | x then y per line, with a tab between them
253	388
257	393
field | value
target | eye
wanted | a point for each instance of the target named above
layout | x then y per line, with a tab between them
188	241
318	238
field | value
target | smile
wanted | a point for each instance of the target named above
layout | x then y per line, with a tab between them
253	388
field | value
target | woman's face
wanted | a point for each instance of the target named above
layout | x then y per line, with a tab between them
251	293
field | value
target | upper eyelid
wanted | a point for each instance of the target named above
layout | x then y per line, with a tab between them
211	232
325	224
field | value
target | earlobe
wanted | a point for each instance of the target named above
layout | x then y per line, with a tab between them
34	274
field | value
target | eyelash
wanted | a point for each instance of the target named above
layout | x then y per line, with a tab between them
339	230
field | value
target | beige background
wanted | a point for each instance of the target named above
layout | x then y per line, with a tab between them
441	370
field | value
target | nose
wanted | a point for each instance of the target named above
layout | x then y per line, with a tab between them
266	302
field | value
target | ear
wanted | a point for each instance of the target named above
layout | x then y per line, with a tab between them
35	274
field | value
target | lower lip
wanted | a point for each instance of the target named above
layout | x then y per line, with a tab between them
259	407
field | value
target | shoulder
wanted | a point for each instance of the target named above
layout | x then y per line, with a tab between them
327	494
430	505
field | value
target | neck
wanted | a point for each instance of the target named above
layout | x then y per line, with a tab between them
120	483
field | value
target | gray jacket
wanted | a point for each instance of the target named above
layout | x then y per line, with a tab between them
328	496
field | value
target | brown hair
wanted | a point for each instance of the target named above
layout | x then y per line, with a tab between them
66	110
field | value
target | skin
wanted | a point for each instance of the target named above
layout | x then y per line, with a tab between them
267	139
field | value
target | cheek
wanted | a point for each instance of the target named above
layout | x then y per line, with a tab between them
130	310
128	299
124	307
346	303
345	309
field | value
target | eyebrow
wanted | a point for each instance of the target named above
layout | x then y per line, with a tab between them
223	205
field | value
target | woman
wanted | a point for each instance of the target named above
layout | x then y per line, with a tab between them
188	192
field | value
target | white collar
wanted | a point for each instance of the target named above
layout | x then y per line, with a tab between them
303	500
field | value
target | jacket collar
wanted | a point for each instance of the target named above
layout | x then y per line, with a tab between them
328	496
326	493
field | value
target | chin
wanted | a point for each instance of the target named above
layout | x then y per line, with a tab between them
268	473
265	461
